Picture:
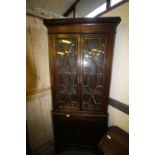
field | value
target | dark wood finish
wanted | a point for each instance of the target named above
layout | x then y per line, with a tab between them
70	29
108	68
97	28
119	105
79	72
114	142
108	4
63	29
80	126
72	8
82	25
52	68
74	12
85	21
79	129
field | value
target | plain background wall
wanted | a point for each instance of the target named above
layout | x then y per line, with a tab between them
82	8
119	89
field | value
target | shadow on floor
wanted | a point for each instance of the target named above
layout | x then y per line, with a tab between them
50	151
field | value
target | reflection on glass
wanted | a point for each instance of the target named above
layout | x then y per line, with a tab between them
66	41
66	63
92	70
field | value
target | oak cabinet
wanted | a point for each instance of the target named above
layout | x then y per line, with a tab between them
80	57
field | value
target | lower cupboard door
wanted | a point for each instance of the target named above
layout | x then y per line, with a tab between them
91	130
65	131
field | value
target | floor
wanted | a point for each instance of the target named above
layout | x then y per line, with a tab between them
50	151
77	152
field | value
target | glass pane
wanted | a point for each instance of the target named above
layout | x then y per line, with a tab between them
114	2
66	63
92	70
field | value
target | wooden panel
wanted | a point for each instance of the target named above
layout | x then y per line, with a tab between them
78	130
39	121
114	142
108	67
97	28
65	130
37	64
38	86
64	29
91	130
81	21
46	112
81	29
38	93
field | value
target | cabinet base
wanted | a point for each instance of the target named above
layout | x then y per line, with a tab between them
61	148
79	131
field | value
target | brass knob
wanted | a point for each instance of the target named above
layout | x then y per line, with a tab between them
67	115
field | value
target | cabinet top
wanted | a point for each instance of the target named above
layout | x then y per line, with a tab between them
83	21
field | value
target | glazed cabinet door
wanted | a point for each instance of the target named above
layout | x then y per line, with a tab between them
93	71
80	71
65	71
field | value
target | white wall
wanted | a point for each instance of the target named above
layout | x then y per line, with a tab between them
119	89
84	7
